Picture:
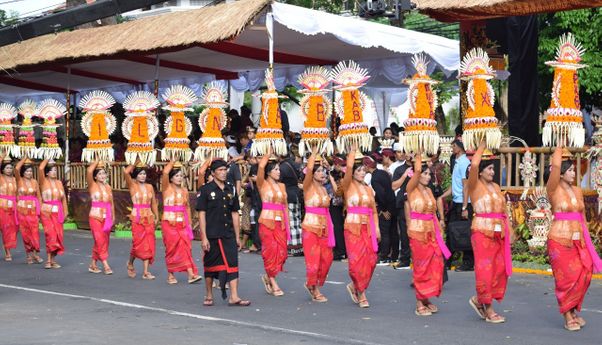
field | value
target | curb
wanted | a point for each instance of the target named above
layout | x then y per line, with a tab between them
544	272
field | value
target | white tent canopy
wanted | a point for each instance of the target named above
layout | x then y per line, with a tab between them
302	37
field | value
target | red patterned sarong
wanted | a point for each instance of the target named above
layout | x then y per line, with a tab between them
489	267
318	258
143	241
273	248
178	247
362	258
572	267
427	269
53	231
28	224
9	228
100	249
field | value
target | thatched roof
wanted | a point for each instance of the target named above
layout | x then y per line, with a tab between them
163	33
462	10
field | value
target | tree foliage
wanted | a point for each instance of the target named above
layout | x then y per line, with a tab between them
8	18
585	25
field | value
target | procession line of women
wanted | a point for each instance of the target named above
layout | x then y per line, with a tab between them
572	255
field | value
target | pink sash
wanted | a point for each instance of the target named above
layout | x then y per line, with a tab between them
507	251
14	200
181	208
578	217
138	207
282	208
59	204
32	198
362	210
429	216
108	224
324	211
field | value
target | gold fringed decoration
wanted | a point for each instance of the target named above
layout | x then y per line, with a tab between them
563	118
480	122
7	138
386	143
350	104
420	129
27	142
316	109
445	147
140	127
97	124
270	123
212	121
178	127
50	110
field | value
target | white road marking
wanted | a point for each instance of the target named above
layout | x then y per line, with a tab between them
592	310
330	338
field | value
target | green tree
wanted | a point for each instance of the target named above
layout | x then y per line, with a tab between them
585	25
8	18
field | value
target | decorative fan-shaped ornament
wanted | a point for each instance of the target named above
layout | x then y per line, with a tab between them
7	138
211	121
480	122
420	132
564	120
140	127
50	110
97	124
350	103
316	109
270	124
178	127
27	142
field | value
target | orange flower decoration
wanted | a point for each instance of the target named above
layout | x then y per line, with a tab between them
140	127
178	127
350	104
317	109
212	121
97	124
270	123
420	129
564	119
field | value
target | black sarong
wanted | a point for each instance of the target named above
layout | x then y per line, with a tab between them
221	261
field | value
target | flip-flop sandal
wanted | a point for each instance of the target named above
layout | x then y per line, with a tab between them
479	310
94	270
423	311
173	281
38	260
364	303
148	276
266	284
108	272
48	265
432	308
55	265
495	318
352	293
8	258
240	303
572	326
208	302
29	261
278	293
320	298
194	279
579	319
131	271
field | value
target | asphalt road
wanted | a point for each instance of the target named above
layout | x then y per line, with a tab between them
72	306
